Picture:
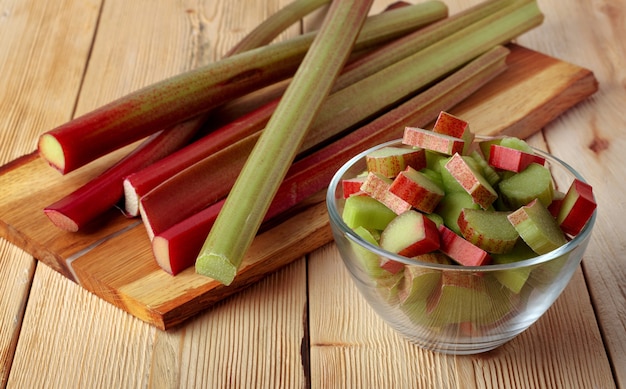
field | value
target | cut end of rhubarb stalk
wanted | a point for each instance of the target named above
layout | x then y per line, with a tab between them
131	199
51	150
60	220
161	250
216	266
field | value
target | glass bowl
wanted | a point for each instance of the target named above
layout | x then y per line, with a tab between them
477	308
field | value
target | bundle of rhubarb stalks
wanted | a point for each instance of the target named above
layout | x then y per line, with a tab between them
224	148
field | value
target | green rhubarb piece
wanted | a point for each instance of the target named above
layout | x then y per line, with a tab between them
448	182
419	282
489	230
514	279
534	182
417	313
469	298
461	297
366	212
485	146
501	302
369	260
450	206
433	158
537	227
436	218
389	287
490	174
433	175
517	144
239	220
390	161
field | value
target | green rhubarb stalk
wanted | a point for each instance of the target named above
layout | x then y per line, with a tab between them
279	21
165	103
415	41
267	165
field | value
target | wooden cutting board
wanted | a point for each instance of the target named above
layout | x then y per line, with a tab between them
114	261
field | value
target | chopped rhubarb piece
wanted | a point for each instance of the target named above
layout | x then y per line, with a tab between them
393	267
352	186
537	227
451	125
506	158
410	234
461	250
473	182
433	141
389	161
377	186
489	230
417	189
576	207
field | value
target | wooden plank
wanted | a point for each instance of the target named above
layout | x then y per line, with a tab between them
52	41
138	282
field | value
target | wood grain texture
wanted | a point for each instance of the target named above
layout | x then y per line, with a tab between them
593	138
52	41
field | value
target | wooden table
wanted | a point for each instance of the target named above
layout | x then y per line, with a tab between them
306	325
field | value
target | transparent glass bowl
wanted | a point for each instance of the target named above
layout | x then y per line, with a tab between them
482	307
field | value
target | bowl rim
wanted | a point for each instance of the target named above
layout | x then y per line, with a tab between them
336	219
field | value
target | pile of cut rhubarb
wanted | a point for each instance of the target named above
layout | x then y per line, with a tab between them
229	146
437	193
440	196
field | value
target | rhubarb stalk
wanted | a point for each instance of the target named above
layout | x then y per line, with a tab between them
279	21
141	182
267	165
176	248
173	100
409	44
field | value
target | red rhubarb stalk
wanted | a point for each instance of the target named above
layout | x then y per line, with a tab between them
100	194
176	248
195	187
173	100
143	181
